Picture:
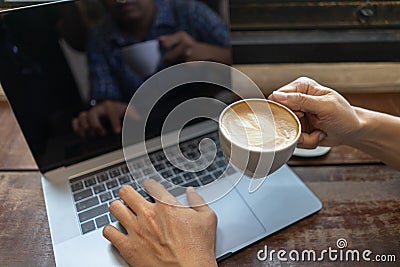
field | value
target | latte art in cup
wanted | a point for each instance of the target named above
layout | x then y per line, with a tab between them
258	136
259	125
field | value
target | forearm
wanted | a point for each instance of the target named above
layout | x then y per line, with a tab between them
200	262
215	53
379	136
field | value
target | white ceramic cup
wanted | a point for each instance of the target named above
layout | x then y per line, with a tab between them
143	58
257	163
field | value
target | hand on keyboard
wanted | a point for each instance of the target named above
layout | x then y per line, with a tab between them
161	234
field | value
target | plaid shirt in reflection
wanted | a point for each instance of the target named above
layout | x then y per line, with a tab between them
111	78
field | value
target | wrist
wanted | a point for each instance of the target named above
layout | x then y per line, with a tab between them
377	136
196	51
367	126
200	261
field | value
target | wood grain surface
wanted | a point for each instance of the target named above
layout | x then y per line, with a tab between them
15	155
24	231
344	77
14	152
360	196
360	204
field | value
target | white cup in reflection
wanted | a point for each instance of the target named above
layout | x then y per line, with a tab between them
143	58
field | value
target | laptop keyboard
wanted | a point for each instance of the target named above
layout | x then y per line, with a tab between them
93	193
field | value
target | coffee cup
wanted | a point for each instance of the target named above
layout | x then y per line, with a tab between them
143	58
258	136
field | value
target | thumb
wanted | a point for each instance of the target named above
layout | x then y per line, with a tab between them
168	41
195	200
298	101
311	140
133	114
115	120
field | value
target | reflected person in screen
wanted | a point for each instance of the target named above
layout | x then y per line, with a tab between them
159	234
186	30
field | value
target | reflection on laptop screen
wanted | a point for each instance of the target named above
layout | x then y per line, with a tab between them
70	69
9	5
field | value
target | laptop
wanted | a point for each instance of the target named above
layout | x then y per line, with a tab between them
82	176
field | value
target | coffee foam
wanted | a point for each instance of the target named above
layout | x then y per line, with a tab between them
259	125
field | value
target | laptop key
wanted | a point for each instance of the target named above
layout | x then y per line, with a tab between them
88	203
220	163
140	164
159	166
193	183
112	184
177	170
166	184
199	173
188	176
88	227
144	194
148	171
206	179
156	177
99	188
102	177
134	185
160	157
124	169
89	182
134	165
166	174
115	193
83	194
136	175
230	170
112	218
94	212
124	179
105	197
152	157
168	164
77	186
218	174
102	221
146	161
192	155
177	191
180	159
114	173
177	180
211	168
192	146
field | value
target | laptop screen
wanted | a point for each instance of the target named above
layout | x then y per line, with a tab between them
69	70
9	5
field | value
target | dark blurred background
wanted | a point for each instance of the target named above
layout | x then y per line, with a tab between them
266	31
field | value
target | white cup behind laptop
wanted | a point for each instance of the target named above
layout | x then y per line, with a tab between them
143	58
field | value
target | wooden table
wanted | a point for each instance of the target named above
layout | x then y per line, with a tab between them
360	196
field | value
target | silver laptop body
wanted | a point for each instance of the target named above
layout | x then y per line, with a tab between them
243	217
77	190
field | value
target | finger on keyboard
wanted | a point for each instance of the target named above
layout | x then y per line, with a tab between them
133	199
159	193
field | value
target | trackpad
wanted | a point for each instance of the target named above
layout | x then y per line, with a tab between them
237	225
281	200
